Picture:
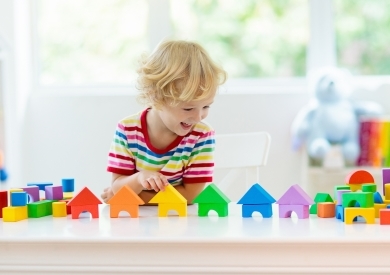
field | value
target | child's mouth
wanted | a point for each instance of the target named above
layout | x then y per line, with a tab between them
185	125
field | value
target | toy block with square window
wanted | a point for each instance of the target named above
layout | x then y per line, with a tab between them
33	193
19	198
212	198
3	201
170	199
320	197
84	201
40	208
59	209
125	200
326	209
384	216
385	180
357	178
351	214
256	199
14	213
54	193
364	199
295	199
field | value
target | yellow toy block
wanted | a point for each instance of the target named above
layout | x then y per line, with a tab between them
59	209
164	208
68	195
14	213
387	191
367	213
377	207
387	202
355	187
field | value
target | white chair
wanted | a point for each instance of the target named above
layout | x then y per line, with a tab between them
235	152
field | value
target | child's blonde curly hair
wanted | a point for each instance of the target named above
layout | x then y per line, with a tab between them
178	71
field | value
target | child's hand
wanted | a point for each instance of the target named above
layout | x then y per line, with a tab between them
107	194
152	181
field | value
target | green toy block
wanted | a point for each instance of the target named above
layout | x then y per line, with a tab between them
369	187
320	197
364	199
221	209
40	208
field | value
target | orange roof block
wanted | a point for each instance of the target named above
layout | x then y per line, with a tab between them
125	196
359	177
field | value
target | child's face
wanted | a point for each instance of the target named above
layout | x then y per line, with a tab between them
181	119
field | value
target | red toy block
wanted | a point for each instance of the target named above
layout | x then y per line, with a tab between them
359	177
384	216
3	201
85	200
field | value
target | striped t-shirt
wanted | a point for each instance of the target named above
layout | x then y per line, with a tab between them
188	159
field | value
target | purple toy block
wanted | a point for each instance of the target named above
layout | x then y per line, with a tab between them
339	195
54	193
385	178
295	195
33	192
285	210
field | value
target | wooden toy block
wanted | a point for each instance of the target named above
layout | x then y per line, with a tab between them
41	185
11	191
295	195
285	210
83	201
340	212
384	216
54	193
356	187
320	197
339	195
365	199
221	209
68	207
385	178
212	198
14	213
59	209
170	199
18	198
68	185
40	209
340	187
264	209
326	210
33	193
256	199
378	198
125	200
68	195
387	191
359	177
369	187
350	213
3	201
378	207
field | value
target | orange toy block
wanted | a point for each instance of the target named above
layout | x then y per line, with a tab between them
85	200
359	177
384	216
326	209
125	200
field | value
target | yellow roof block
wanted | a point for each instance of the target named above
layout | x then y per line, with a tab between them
169	195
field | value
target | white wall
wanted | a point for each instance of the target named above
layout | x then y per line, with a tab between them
69	136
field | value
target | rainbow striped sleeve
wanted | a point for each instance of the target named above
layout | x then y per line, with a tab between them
120	158
200	166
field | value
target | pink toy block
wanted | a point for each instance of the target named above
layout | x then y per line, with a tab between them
285	210
54	193
33	193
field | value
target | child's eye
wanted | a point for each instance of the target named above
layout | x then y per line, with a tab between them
206	107
187	109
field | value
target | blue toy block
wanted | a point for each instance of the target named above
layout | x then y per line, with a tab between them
388	206
3	175
264	209
41	185
378	198
68	185
18	198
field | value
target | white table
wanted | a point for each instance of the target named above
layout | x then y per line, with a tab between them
192	245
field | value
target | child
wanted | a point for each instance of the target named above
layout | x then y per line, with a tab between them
167	143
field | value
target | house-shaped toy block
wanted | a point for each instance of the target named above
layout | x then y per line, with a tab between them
212	198
84	200
3	201
320	197
125	200
256	199
170	199
357	178
295	199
